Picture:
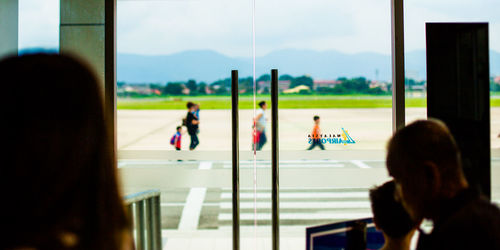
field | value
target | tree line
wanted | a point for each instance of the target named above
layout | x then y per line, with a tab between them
342	86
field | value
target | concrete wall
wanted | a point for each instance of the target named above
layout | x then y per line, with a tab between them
82	32
9	12
88	30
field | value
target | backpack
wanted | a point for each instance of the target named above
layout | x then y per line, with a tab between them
172	140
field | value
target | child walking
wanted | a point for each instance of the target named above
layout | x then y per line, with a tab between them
176	138
316	140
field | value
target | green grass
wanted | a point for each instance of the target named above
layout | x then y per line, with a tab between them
285	102
495	102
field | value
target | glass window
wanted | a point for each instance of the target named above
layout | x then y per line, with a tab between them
171	53
38	25
334	62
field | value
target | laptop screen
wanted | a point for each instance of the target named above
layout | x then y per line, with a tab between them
344	235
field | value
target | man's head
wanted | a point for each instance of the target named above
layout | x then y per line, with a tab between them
388	214
425	162
190	105
179	128
263	105
316	119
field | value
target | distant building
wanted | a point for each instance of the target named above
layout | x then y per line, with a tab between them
419	87
381	85
497	79
208	90
416	90
142	89
185	90
282	85
296	89
325	83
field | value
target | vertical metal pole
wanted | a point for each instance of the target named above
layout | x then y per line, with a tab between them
275	160
398	65
156	211
110	69
149	224
130	216
236	164
133	223
141	229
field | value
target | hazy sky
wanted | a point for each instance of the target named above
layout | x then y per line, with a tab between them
169	26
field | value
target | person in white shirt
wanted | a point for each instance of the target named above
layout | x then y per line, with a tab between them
260	123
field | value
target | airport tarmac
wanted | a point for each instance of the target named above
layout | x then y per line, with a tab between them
316	187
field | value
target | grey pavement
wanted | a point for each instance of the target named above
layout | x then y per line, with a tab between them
300	205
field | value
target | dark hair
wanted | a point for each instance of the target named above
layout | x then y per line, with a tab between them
189	105
59	169
178	127
388	214
262	103
316	118
423	141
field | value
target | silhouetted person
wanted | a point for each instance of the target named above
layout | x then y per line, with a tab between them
192	125
391	218
425	162
58	172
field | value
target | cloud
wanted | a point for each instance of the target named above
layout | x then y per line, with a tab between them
226	26
169	26
38	24
418	12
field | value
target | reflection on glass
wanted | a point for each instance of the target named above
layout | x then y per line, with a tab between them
417	13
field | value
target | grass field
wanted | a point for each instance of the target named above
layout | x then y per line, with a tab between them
285	102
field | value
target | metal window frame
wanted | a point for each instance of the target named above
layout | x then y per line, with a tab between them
110	107
398	65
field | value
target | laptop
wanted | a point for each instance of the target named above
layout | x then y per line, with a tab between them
348	235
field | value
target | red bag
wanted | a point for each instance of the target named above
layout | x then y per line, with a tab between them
256	136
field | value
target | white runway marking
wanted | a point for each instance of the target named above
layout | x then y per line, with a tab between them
153	164
301	195
181	204
303	204
282	189
299	216
194	202
205	165
192	209
282	162
290	166
360	164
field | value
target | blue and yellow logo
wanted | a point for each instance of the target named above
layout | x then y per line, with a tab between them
342	138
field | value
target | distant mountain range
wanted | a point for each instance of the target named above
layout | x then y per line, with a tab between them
209	66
